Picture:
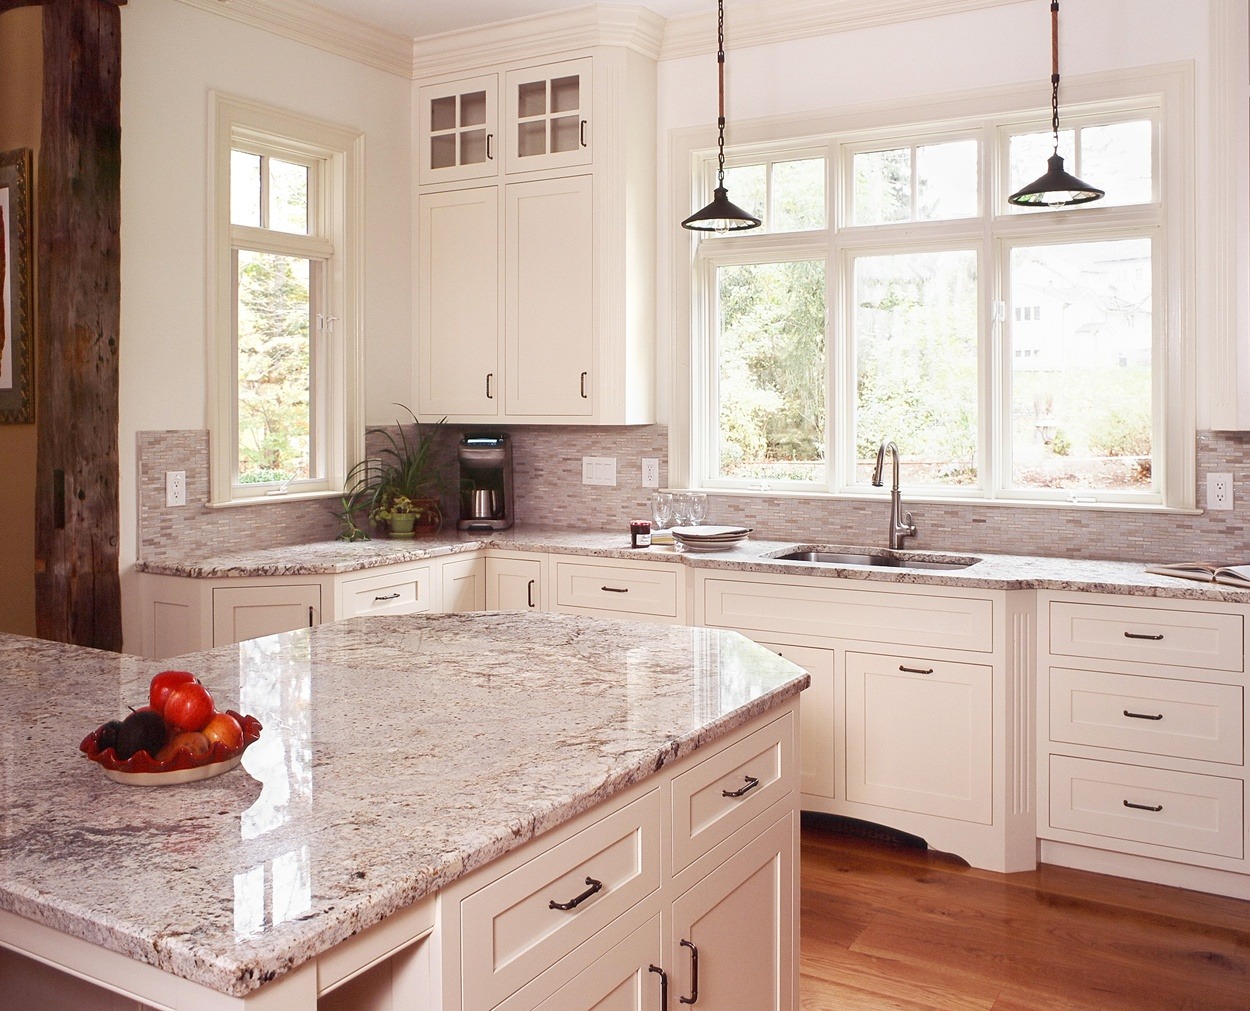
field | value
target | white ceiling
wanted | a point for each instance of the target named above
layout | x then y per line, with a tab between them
417	18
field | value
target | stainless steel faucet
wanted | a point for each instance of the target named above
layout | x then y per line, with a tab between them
900	526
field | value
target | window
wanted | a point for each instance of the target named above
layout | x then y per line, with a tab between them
892	293
285	416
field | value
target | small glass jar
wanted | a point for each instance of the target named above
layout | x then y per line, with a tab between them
640	533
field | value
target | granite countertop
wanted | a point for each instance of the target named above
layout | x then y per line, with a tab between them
398	753
990	571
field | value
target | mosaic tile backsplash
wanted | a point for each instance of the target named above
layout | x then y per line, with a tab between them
549	493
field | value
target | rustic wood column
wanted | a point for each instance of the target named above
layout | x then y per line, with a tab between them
77	584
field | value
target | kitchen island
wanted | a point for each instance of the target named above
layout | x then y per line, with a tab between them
403	760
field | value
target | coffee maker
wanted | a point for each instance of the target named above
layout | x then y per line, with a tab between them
485	481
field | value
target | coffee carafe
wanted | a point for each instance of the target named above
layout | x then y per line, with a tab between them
485	481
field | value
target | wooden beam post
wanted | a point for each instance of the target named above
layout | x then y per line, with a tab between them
77	584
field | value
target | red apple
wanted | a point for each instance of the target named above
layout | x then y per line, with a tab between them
195	743
224	728
165	682
189	707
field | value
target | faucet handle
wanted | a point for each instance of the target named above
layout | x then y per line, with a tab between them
909	526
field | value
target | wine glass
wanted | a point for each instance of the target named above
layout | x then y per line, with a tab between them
681	508
698	508
661	509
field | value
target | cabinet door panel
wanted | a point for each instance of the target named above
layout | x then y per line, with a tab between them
816	717
547	111
741	920
514	584
920	735
249	612
464	585
456	130
458	304
549	318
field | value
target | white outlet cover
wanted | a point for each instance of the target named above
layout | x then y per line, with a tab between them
650	472
175	487
1220	491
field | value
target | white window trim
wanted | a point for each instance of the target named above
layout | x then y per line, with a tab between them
233	120
1171	84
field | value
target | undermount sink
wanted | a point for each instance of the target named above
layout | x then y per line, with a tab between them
882	558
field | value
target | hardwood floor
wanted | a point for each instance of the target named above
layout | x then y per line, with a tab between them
889	926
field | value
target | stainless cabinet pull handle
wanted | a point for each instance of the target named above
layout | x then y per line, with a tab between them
389	596
490	154
1143	807
1143	635
581	133
915	670
529	593
489	395
663	986
752	783
614	589
694	974
1142	716
584	374
573	903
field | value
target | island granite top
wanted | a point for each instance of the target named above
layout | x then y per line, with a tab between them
989	571
388	767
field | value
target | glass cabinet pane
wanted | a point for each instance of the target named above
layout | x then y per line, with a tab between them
473	147
443	151
473	109
565	133
443	113
532	138
565	94
531	99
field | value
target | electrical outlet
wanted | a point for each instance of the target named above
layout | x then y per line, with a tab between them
599	470
650	472
175	487
1219	491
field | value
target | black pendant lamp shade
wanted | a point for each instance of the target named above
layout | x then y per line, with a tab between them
721	215
1056	188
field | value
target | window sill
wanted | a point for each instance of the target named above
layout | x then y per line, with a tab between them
301	496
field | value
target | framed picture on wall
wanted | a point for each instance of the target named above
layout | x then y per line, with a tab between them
16	324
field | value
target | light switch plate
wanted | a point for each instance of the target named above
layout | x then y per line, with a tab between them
1219	491
599	470
175	487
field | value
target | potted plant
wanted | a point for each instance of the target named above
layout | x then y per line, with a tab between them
401	485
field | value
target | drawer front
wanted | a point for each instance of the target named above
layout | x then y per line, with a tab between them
1204	639
511	933
388	593
722	793
1156	716
1176	810
910	619
625	589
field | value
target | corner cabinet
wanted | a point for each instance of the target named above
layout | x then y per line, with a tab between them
535	273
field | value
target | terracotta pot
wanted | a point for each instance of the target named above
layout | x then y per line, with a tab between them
428	517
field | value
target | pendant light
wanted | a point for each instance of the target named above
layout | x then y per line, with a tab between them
720	215
1056	188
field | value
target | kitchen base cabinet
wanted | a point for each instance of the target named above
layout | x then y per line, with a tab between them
249	612
819	745
464	583
612	588
1141	730
514	582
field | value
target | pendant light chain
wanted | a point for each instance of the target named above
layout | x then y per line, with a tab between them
1054	70
720	68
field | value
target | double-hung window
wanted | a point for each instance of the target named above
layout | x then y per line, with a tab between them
285	412
892	293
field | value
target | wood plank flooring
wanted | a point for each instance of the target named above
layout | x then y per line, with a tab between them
889	926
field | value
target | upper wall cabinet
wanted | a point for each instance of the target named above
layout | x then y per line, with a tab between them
535	273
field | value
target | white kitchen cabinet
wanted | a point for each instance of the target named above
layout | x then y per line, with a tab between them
249	612
919	735
573	271
1141	736
548	114
818	718
734	940
463	583
457	122
514	582
615	588
458	306
549	298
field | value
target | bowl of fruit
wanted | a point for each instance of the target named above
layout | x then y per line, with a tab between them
178	737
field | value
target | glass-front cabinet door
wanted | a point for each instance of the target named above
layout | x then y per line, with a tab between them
547	115
458	137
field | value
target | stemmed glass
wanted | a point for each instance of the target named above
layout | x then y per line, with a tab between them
681	508
698	508
661	509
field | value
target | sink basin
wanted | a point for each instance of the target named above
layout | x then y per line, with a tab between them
878	558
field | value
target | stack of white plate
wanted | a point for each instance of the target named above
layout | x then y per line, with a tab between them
709	538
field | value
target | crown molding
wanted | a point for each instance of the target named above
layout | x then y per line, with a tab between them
320	28
763	24
622	25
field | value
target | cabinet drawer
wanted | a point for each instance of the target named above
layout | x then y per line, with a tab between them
1157	716
722	793
909	619
1177	810
511	933
627	589
407	592
1205	639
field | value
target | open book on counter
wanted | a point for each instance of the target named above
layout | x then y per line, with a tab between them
1206	572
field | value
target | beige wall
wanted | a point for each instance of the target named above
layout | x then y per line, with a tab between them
21	87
